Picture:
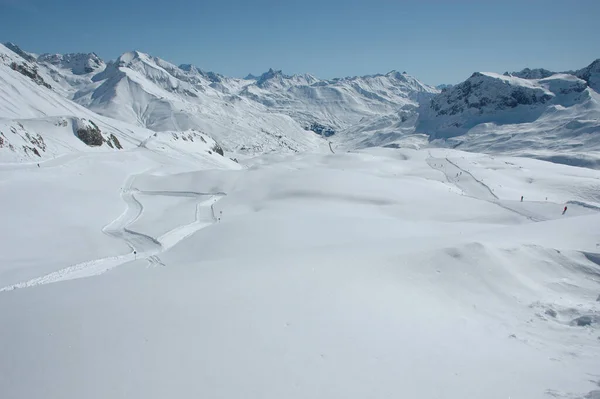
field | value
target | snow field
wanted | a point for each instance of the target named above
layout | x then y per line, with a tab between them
370	274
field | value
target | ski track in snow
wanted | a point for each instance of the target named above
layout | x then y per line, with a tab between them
485	186
473	187
147	247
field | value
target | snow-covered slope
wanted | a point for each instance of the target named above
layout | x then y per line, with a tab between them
380	273
340	103
38	124
555	118
534	112
78	64
591	74
273	112
151	263
152	93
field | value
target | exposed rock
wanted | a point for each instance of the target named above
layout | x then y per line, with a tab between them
90	135
537	73
77	63
217	148
591	74
583	321
321	129
17	50
31	72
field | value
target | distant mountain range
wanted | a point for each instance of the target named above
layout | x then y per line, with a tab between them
534	112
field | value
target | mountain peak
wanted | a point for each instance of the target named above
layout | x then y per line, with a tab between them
194	70
129	56
17	50
591	74
527	73
189	68
270	74
78	63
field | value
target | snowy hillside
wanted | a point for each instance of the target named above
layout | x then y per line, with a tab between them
555	118
272	112
329	276
340	103
155	94
78	64
535	112
37	124
173	232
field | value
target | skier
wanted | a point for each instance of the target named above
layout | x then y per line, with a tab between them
564	210
521	198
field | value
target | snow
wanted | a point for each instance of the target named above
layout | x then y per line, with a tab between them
223	250
541	114
343	275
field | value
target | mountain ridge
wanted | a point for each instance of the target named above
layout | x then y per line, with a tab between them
277	112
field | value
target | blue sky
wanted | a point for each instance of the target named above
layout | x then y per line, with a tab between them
441	41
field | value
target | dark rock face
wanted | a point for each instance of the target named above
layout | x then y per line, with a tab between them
217	148
321	129
591	74
476	92
30	72
17	50
91	135
78	63
583	321
112	139
537	73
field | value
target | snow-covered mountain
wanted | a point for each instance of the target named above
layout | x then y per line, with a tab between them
339	103
152	93
271	112
138	259
591	74
78	64
534	112
554	116
38	124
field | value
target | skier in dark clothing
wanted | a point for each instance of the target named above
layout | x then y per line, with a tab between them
564	210
521	198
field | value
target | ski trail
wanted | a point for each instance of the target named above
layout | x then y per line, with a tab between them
471	186
204	218
143	247
485	186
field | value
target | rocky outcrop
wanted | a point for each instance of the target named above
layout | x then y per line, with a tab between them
537	73
17	50
591	74
77	63
320	129
90	135
88	132
484	97
31	72
113	142
217	148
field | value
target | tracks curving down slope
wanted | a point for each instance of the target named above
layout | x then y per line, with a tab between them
143	246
